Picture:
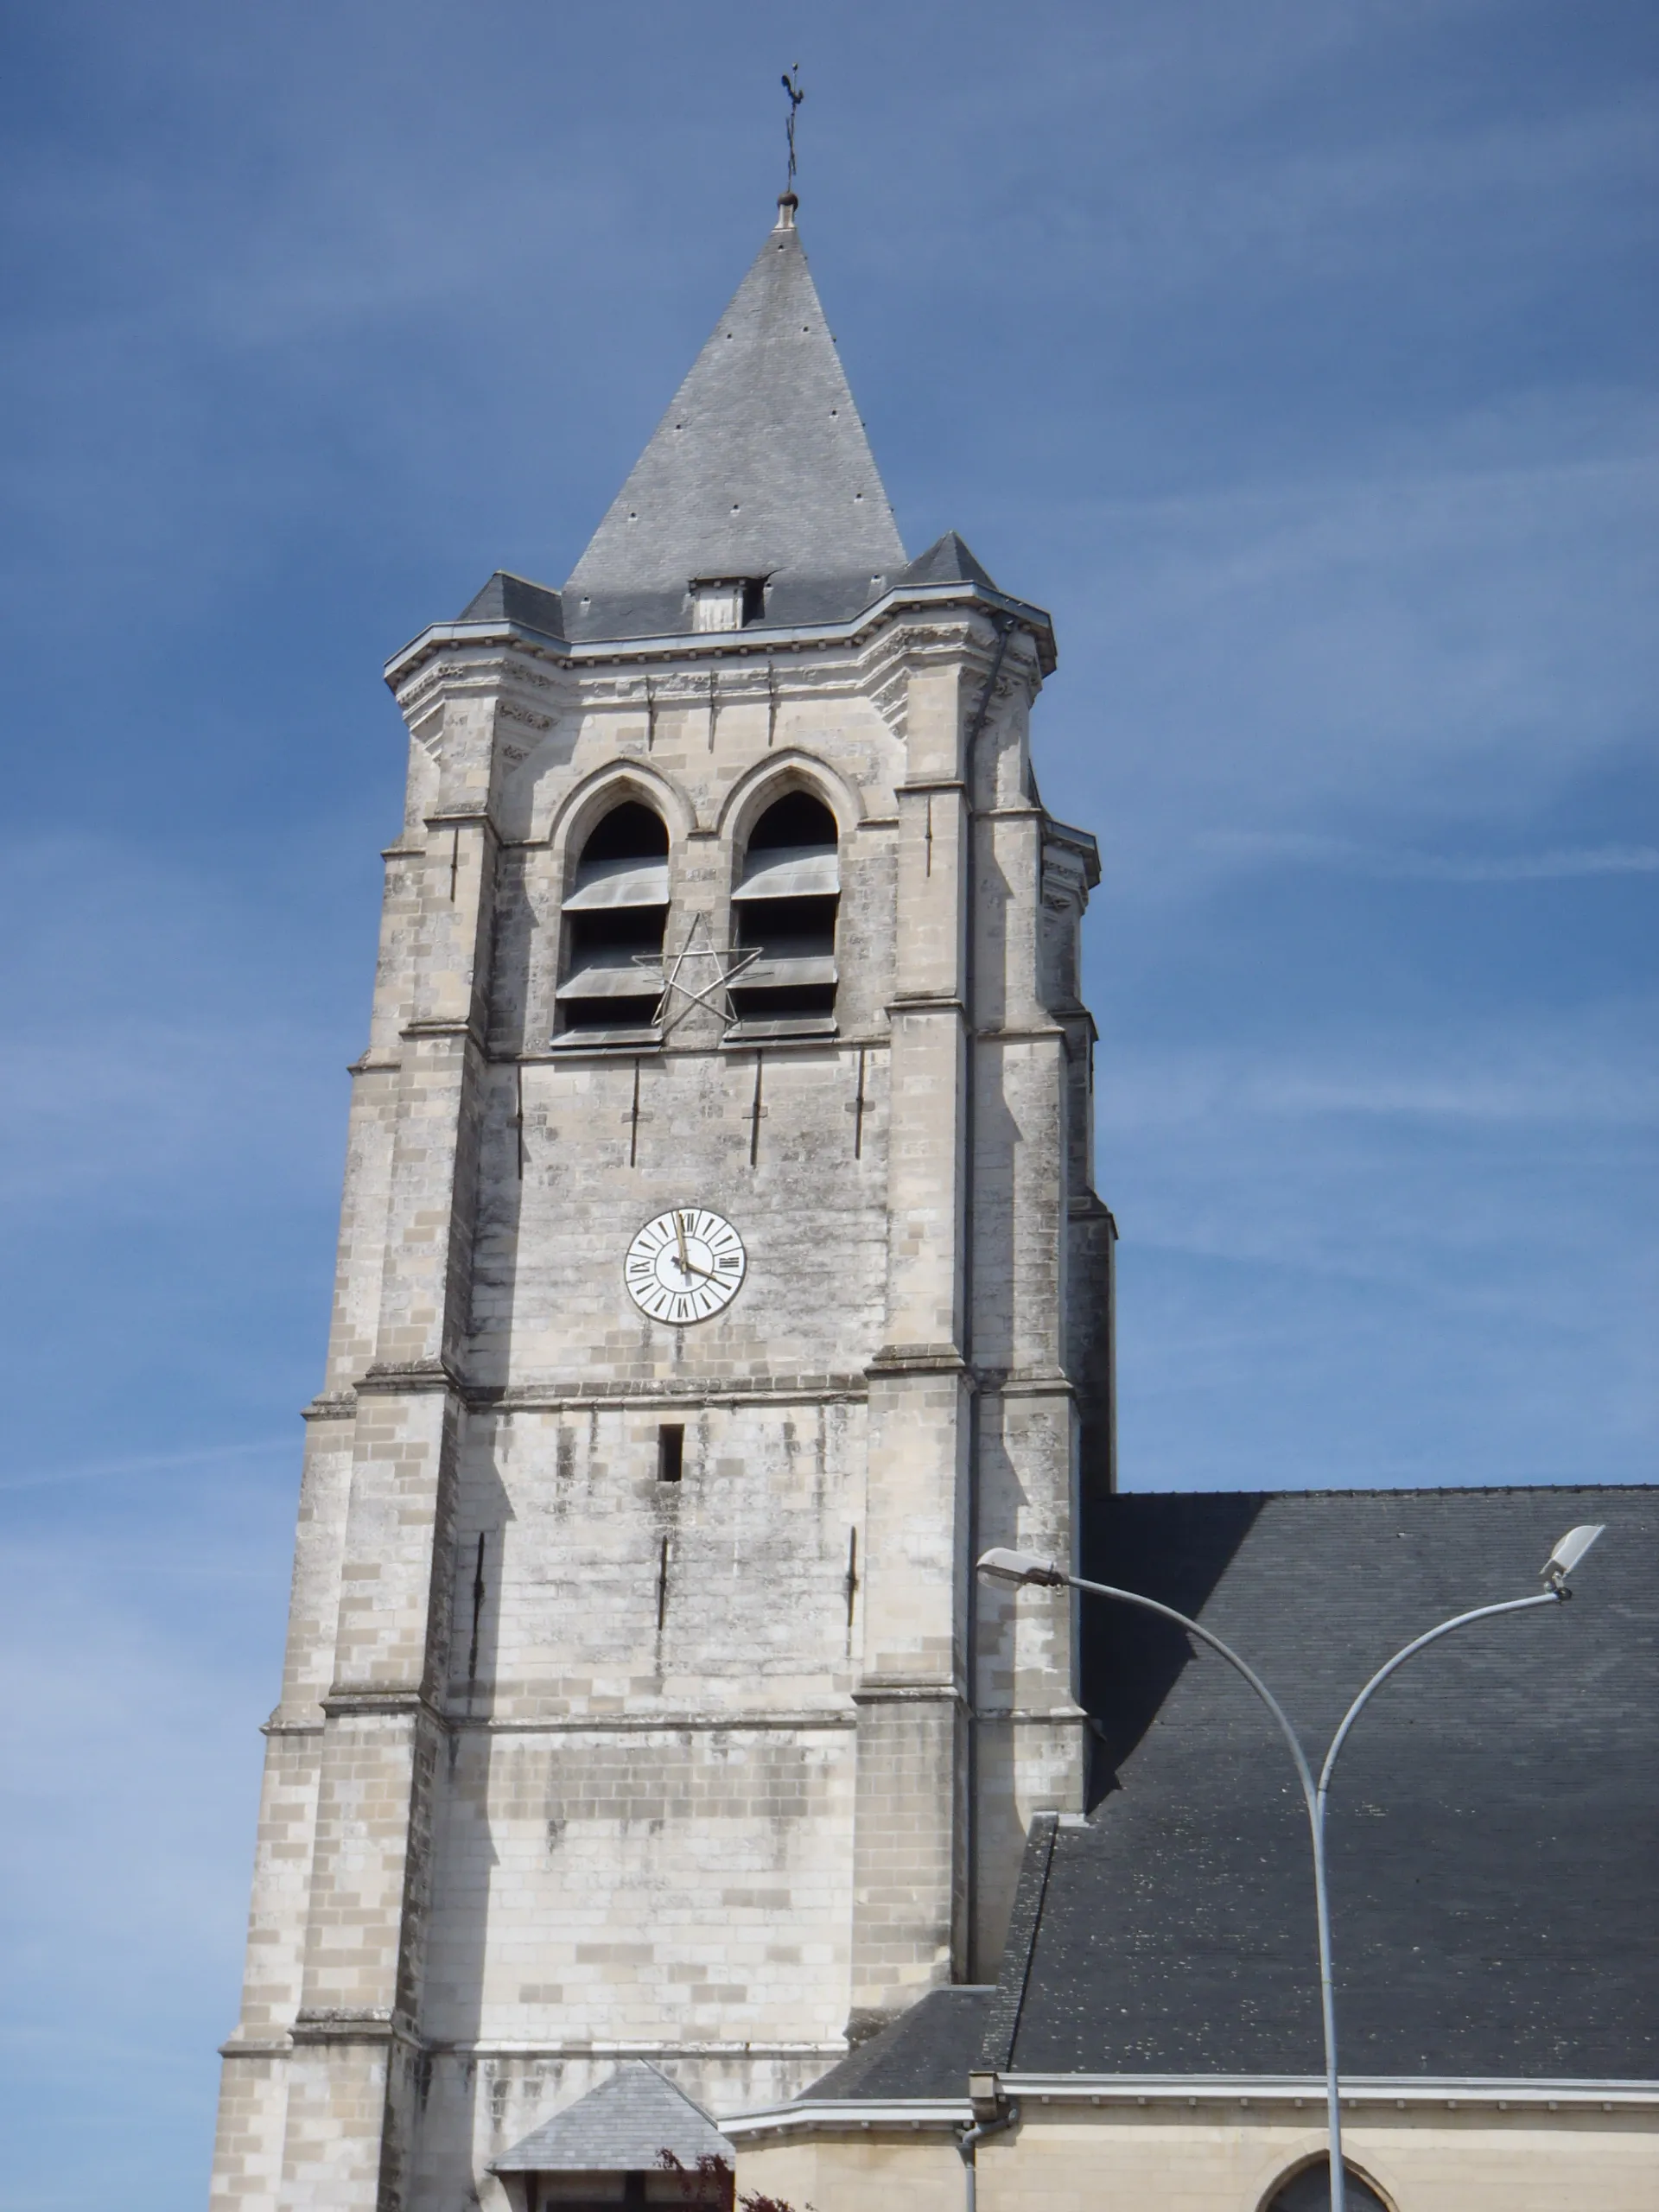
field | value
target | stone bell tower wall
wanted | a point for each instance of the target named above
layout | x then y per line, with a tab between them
571	1760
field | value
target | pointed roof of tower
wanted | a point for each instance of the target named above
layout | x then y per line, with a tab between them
761	469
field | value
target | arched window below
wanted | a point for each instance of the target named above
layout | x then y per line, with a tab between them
783	910
614	919
1310	2191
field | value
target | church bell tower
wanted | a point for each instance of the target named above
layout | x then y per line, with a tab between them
719	1270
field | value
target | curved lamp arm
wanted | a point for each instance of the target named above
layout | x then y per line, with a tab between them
1151	1605
1553	1597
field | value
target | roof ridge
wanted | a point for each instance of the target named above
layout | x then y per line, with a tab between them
1003	2025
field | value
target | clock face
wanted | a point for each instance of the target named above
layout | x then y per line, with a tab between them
685	1265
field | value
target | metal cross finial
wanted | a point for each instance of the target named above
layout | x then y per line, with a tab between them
791	82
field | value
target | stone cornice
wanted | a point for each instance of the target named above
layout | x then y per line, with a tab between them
322	2027
418	1375
424	1029
809	1721
864	2115
916	1359
900	1689
1023	1716
583	1397
1089	1205
372	1700
343	2026
1025	1382
895	609
1449	2092
1033	2091
331	1405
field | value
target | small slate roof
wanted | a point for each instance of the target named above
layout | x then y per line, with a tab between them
947	561
926	2052
622	2126
515	599
759	468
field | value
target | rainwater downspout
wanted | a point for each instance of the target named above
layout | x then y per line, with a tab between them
969	2142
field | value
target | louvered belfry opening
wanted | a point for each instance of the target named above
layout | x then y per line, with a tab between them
614	919
784	908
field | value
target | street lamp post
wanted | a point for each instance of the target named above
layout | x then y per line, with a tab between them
1024	1566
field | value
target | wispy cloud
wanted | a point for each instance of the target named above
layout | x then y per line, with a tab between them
1350	856
1445	644
148	1465
1594	1072
1404	1255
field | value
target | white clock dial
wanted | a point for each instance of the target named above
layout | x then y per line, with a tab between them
685	1265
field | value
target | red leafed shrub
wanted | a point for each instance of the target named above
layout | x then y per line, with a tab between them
709	2187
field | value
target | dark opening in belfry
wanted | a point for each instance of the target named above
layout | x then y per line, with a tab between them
784	909
615	915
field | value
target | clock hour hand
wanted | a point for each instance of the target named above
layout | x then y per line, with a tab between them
687	1265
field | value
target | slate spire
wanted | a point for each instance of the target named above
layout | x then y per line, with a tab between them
760	470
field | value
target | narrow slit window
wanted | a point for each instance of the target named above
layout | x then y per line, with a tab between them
615	916
670	1452
785	909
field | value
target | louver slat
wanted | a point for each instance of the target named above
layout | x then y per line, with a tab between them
782	974
791	872
612	979
620	883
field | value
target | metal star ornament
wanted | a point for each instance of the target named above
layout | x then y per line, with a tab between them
726	964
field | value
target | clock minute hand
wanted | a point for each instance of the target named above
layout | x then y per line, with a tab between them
679	1232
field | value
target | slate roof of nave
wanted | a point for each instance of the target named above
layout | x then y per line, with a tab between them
1491	1824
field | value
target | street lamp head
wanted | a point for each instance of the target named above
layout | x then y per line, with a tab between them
1568	1554
999	1566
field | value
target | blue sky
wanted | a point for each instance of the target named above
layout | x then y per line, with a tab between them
1297	356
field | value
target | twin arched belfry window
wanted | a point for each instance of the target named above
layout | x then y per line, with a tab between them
785	903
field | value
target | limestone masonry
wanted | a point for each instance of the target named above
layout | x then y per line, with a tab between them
638	1701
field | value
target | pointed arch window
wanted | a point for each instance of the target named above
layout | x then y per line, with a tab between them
785	909
1309	2190
614	919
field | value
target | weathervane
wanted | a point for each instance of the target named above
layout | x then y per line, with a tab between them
791	82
